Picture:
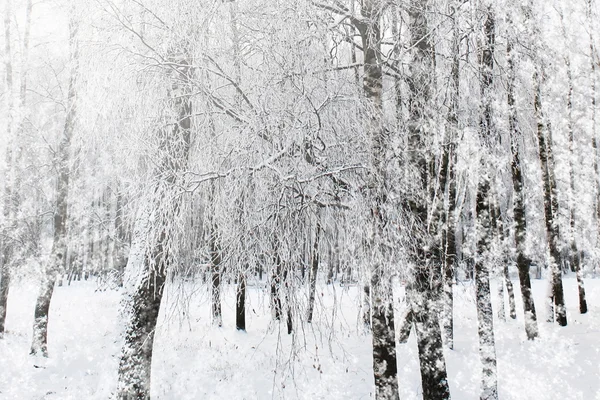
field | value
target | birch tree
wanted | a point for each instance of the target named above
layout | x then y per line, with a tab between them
5	246
516	140
425	288
575	252
485	315
154	245
39	344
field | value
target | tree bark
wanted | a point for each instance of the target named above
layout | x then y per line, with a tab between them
504	275
154	248
593	61
448	183
523	262
314	269
59	246
12	179
215	271
135	365
240	304
574	256
485	316
276	305
544	135
424	290
511	292
494	219
381	309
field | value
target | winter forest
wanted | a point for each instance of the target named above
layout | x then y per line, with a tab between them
299	199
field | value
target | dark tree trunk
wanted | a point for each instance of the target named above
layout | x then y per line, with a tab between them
240	304
487	346
583	309
12	179
511	292
330	266
523	263
575	259
314	269
547	166
290	326
59	246
381	309
5	276
122	243
39	345
136	356
504	275
485	315
276	305
366	312
384	341
434	377
448	183
5	246
424	290
544	135
154	246
289	321
593	61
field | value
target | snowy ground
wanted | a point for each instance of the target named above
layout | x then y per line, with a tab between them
331	359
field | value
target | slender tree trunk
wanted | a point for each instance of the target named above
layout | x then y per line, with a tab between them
574	257
523	262
240	304
381	309
59	246
504	277
286	281
330	264
122	243
384	340
12	180
449	184
424	290
5	246
547	165
434	378
494	215
366	305
505	259
215	270
276	305
593	61
510	290
550	203
501	308
485	316
406	323
314	269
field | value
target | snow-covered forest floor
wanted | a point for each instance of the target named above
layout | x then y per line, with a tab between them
195	360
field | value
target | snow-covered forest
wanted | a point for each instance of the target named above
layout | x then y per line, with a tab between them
299	199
